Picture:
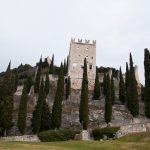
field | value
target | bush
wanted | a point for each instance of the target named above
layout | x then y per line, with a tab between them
58	135
1	130
99	133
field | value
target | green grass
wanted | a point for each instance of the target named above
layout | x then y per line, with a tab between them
137	141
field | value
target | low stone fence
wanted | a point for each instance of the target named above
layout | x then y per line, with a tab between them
25	138
133	128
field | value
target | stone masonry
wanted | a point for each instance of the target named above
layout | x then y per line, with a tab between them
79	50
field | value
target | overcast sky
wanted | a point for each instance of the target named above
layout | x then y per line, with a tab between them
29	28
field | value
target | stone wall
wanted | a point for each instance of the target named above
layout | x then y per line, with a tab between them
25	138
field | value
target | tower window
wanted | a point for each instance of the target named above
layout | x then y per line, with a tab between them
82	66
91	57
90	66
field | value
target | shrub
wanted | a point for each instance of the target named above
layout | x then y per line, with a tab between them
58	135
99	133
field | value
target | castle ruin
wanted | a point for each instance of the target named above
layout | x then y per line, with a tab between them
79	50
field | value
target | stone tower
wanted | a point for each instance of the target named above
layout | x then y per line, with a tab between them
79	50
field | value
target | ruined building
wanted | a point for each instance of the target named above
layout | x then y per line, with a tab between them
79	50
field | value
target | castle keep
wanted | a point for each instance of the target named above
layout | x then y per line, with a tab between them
79	50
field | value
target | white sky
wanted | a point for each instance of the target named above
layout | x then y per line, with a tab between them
29	28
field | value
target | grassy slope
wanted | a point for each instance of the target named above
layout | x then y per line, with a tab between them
140	141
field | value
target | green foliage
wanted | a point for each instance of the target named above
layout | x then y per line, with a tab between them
6	100
96	87
51	69
108	101
28	84
133	87
57	106
104	85
37	113
99	133
47	85
46	118
122	97
38	77
106	69
83	110
147	83
113	97
127	87
22	114
68	86
58	135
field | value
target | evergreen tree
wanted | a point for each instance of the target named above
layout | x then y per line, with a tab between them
28	84
133	87
22	114
83	110
147	82
104	84
96	87
16	82
113	97
46	117
37	113
121	88
127	86
51	69
67	65
57	106
47	85
38	77
108	101
6	100
68	86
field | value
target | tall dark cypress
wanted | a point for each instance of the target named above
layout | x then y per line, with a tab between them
97	93
83	110
22	113
6	100
121	88
57	106
37	113
68	88
108	101
147	82
127	86
113	97
67	65
133	88
51	69
104	84
38	77
46	117
47	85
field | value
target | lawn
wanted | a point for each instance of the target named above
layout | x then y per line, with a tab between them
138	141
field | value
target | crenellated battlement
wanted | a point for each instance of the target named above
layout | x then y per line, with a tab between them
82	41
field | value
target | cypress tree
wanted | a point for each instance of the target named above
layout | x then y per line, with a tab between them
6	101
147	82
133	87
38	77
68	86
67	65
47	85
57	106
83	110
28	84
108	101
22	114
113	97
37	113
46	117
121	88
96	87
127	86
51	69
104	84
